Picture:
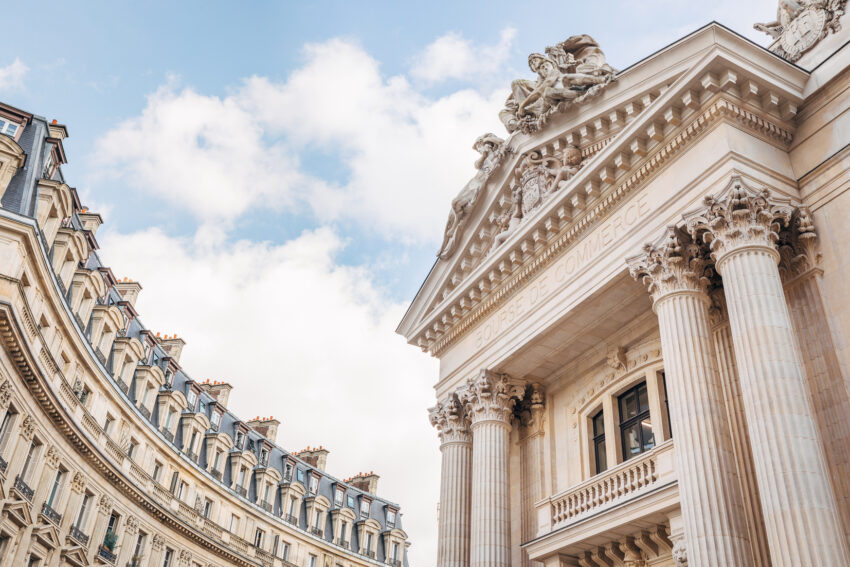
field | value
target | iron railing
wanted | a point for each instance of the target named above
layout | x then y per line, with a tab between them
77	535
52	515
23	488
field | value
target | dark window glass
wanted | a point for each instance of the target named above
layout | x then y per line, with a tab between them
599	453
635	425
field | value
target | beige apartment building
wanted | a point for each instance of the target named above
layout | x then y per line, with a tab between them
641	309
110	453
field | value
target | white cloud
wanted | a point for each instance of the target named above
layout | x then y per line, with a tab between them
305	340
406	154
452	56
12	76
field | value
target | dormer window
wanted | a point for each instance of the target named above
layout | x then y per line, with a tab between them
8	127
215	419
314	484
287	472
300	476
169	375
365	507
350	502
239	438
339	497
391	518
191	397
264	457
49	163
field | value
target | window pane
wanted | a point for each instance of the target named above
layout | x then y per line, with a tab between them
643	399
628	406
631	441
601	457
598	424
648	436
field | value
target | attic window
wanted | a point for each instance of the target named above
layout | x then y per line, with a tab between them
391	518
215	419
9	128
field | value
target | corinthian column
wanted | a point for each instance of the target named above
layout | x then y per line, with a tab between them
715	525
455	482
489	401
797	499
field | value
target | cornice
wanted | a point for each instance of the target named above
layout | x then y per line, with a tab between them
13	342
721	107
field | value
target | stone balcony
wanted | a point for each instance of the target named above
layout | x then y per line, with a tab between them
641	490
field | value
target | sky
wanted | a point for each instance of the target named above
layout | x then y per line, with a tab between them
277	176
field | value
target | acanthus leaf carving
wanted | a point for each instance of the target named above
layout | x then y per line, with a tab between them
158	542
5	395
450	420
78	483
491	396
740	216
676	263
105	504
28	428
52	457
570	73
798	246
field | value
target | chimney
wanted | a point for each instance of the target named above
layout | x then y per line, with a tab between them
58	130
315	457
129	290
91	221
265	426
367	482
173	346
219	390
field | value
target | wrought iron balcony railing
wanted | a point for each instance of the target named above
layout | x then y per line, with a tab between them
107	555
168	435
267	506
3	465
77	535
23	488
145	412
242	491
52	515
316	532
291	519
216	473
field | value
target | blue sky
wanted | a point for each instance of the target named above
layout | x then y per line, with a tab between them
277	175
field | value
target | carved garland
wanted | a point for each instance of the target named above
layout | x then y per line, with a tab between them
721	108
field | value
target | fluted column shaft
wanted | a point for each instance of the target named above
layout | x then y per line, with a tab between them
455	501
490	494
797	499
740	439
715	526
714	522
455	483
489	401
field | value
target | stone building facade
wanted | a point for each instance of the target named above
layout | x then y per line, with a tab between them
110	453
641	310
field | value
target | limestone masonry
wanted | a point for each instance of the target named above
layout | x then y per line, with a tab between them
641	310
110	453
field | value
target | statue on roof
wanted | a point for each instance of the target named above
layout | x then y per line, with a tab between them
567	74
492	148
800	24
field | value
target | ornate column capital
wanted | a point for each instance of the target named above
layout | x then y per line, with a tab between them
798	246
739	217
449	418
491	397
673	264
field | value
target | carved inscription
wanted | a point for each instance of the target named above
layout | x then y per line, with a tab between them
595	244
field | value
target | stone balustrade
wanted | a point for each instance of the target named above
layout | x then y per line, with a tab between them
623	482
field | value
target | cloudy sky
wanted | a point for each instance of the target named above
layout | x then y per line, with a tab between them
277	176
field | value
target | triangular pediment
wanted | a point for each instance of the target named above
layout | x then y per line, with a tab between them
48	535
76	556
18	511
624	135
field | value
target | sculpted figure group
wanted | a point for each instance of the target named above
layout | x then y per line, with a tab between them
570	72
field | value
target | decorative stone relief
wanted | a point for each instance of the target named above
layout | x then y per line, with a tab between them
105	504
450	420
680	553
798	246
132	526
537	177
492	150
5	395
617	358
491	397
157	542
529	409
676	263
185	557
739	216
799	25
570	73
52	457
78	483
28	428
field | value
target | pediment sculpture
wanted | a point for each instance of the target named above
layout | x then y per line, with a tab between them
569	73
492	149
800	24
537	177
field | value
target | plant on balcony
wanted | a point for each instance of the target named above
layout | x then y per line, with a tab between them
109	541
